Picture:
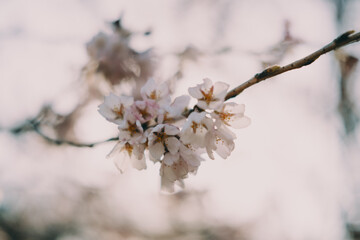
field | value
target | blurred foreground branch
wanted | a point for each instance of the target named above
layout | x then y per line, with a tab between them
35	126
66	142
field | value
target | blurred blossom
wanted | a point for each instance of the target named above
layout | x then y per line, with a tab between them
111	55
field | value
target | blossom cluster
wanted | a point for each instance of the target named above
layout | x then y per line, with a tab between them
173	135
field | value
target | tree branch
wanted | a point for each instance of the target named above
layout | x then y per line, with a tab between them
66	142
345	39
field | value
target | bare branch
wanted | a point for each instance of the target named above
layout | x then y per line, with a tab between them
66	142
345	39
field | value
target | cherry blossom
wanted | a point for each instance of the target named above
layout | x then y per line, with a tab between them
158	93
195	129
113	108
125	154
174	136
131	130
173	173
162	139
209	95
145	111
185	162
172	112
231	114
221	141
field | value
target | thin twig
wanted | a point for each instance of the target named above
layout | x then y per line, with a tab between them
66	142
343	40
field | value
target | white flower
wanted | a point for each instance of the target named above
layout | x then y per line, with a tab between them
170	174
162	139
184	162
191	157
159	93
209	95
113	108
173	111
124	154
195	129
231	114
144	110
221	140
131	130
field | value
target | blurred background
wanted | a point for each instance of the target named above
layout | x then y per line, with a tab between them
294	173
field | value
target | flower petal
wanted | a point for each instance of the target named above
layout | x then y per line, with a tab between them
172	144
202	104
171	130
179	105
207	84
220	90
195	92
239	121
148	88
157	150
122	161
169	158
215	104
139	164
167	185
235	108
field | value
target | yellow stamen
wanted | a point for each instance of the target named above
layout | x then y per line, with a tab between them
144	113
153	95
128	148
160	136
226	117
132	128
194	126
208	97
119	111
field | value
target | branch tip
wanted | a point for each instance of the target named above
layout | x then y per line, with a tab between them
343	36
344	39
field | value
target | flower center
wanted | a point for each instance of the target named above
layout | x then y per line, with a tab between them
208	96
127	147
194	126
160	136
119	111
153	95
226	116
132	128
144	113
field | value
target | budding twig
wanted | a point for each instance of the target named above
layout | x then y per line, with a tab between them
347	38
